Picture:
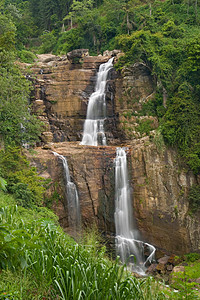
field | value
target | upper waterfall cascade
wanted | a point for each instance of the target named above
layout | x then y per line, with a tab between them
93	133
128	246
74	216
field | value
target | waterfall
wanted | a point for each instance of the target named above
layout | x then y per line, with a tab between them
93	133
74	217
129	248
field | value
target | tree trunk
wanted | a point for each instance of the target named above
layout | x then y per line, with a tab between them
71	23
196	9
164	97
150	9
127	22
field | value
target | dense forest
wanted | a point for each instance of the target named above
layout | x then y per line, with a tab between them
165	36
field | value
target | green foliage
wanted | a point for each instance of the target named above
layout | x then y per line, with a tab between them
47	263
192	257
3	184
68	41
194	198
159	141
145	126
181	126
186	289
26	56
7	33
22	180
17	124
170	50
48	42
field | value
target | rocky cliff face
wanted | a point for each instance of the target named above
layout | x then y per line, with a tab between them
62	90
91	169
159	180
160	191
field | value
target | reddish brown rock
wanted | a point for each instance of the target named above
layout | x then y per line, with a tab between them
159	179
163	260
151	269
62	91
161	268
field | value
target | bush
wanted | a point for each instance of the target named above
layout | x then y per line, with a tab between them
26	56
192	257
145	126
48	42
68	41
22	180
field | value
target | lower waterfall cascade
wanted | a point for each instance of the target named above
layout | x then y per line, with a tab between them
74	215
93	133
128	247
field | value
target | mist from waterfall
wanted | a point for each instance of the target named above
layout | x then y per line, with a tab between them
129	248
93	133
74	216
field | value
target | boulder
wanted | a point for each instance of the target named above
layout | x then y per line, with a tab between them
178	269
163	260
47	137
77	53
151	269
46	58
111	53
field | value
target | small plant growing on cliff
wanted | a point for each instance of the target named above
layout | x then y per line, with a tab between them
159	141
145	126
194	198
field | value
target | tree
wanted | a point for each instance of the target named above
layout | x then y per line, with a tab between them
78	10
17	124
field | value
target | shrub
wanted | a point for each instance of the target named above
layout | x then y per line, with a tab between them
22	180
145	126
26	56
48	42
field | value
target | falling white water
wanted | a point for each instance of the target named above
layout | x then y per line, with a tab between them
74	216
93	133
129	248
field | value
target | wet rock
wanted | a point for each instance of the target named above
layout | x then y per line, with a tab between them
159	253
151	269
160	268
137	275
163	260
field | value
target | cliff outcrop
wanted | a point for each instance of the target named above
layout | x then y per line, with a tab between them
160	188
62	90
159	179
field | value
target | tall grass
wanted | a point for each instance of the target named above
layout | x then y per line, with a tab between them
50	265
